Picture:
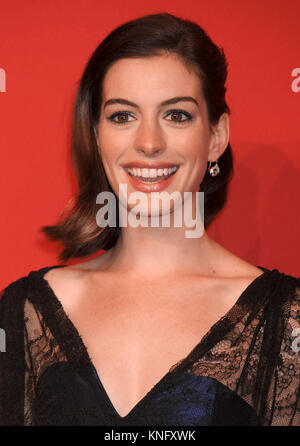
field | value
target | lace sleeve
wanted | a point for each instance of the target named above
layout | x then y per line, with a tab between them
285	408
30	348
12	363
41	352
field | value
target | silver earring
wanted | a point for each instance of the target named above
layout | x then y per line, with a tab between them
215	170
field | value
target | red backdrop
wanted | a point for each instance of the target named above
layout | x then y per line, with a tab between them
44	46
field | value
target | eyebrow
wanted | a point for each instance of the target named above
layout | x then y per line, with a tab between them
167	102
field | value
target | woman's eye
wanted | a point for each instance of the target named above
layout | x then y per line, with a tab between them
121	117
178	116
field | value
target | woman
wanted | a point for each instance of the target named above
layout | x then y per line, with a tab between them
161	329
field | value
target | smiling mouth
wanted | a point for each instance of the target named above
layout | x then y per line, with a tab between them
157	175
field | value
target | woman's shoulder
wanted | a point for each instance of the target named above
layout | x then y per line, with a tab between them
285	284
21	281
17	290
283	290
41	286
25	298
14	289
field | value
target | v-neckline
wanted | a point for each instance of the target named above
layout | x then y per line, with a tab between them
206	342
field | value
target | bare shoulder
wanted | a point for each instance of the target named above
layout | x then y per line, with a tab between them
77	271
231	273
228	264
69	284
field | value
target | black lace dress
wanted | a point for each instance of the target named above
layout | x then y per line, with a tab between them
244	371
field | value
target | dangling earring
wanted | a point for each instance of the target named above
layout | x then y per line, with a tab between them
215	170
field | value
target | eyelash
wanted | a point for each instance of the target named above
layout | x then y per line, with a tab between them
188	115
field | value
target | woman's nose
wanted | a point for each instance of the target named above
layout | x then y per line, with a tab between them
149	138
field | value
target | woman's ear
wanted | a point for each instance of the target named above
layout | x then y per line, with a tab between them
220	138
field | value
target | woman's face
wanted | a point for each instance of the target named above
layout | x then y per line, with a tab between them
152	133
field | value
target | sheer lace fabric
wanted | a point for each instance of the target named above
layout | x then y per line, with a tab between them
251	354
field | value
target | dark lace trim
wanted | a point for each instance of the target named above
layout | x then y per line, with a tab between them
275	325
12	364
61	327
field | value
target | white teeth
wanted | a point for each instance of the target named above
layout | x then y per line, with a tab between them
151	173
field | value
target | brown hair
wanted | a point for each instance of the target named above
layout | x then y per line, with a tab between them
146	36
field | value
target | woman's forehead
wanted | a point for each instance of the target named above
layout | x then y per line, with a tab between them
153	77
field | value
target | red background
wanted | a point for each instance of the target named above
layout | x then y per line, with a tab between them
44	46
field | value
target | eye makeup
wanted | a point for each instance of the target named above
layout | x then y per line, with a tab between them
169	112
